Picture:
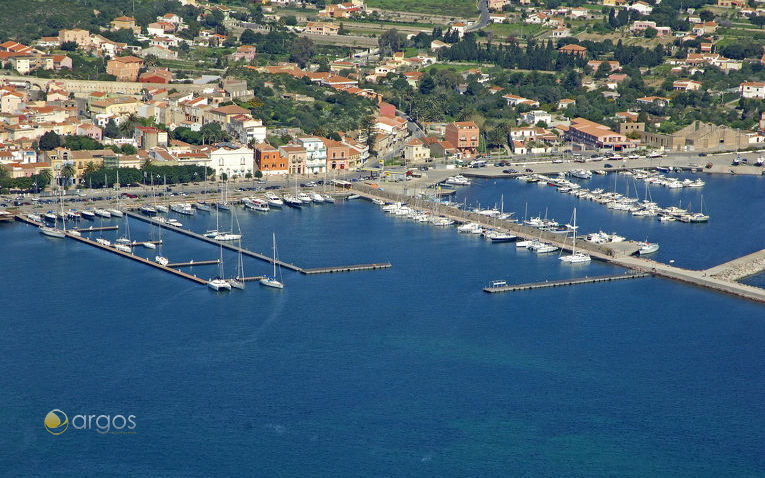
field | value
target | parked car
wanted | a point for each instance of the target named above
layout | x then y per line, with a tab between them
608	165
529	170
701	155
709	165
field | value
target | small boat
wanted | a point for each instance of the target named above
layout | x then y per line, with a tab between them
115	212
161	260
50	216
147	210
352	196
149	245
34	217
102	213
73	215
88	214
328	198
236	283
103	242
271	281
497	237
524	244
647	248
379	202
174	223
292	201
123	248
162	209
223	206
202	207
75	233
458	180
259	205
227	236
218	284
304	198
182	208
52	232
316	197
274	200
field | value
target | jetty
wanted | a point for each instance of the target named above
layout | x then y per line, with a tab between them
133	257
257	255
620	254
193	263
494	289
737	269
96	229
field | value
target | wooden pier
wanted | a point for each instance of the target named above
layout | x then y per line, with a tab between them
120	253
354	268
193	263
561	282
262	257
96	229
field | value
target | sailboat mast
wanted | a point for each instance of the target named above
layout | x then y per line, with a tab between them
274	235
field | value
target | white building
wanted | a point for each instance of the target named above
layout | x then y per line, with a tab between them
534	117
247	130
316	154
642	8
752	89
231	160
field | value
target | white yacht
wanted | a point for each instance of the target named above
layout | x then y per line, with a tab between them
304	198
497	237
202	207
292	201
162	209
274	200
34	217
227	236
182	208
52	232
458	180
149	245
647	248
218	284
271	281
316	197
470	227
147	210
161	260
102	213
328	198
123	248
103	242
525	244
575	257
259	205
115	212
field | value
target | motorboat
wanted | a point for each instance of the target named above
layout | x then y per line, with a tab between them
149	245
292	201
470	227
316	197
115	212
202	207
73	215
182	208
255	204
103	242
34	217
162	209
647	248
458	180
102	213
328	198
50	216
352	196
161	260
174	223
147	210
304	198
497	237
274	200
576	258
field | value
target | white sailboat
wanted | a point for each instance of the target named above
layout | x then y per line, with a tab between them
219	283
159	258
54	231
238	281
271	281
575	257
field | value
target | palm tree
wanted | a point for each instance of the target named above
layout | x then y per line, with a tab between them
46	175
127	128
68	172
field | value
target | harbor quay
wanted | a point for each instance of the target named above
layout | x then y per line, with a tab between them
619	254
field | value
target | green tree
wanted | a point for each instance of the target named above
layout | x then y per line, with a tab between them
290	20
248	37
50	140
69	46
427	85
213	133
302	51
68	172
111	130
650	33
389	41
128	149
758	20
258	174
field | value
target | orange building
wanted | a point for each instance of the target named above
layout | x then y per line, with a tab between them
338	154
463	135
269	161
573	49
125	68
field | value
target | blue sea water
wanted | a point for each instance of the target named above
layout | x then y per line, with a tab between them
408	371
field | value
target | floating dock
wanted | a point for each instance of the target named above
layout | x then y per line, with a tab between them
120	253
263	257
96	229
561	282
193	263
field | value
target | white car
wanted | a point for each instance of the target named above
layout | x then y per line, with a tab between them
557	161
